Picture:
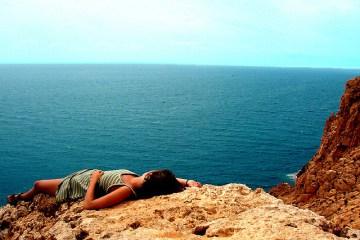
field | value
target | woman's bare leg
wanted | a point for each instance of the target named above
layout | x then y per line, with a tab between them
42	186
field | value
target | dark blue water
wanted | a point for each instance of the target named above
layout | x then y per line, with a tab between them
216	124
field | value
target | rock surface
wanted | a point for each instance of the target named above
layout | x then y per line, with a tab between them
232	211
330	183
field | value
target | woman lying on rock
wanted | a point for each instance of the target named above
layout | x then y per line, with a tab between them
101	189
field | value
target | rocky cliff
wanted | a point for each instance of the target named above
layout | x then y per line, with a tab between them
330	183
226	212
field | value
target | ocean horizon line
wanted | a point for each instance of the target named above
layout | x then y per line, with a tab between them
183	64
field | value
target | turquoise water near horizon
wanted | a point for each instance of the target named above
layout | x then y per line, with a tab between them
216	124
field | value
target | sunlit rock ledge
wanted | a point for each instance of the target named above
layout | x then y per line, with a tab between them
232	211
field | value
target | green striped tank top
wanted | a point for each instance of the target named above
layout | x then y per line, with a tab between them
75	185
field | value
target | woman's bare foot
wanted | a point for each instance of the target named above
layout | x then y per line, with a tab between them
13	199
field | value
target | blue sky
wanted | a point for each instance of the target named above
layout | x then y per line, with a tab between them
288	33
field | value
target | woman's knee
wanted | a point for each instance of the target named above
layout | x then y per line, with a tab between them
40	186
37	185
46	186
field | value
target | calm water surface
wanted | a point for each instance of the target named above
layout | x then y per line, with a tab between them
216	124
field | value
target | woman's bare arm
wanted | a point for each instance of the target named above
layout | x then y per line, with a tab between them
107	200
188	182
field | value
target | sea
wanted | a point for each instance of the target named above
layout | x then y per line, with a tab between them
215	124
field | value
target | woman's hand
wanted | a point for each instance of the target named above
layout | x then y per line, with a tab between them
90	192
192	183
96	175
188	182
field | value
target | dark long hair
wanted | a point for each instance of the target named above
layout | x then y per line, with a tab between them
159	182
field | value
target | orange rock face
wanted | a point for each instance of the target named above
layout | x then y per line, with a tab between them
329	183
